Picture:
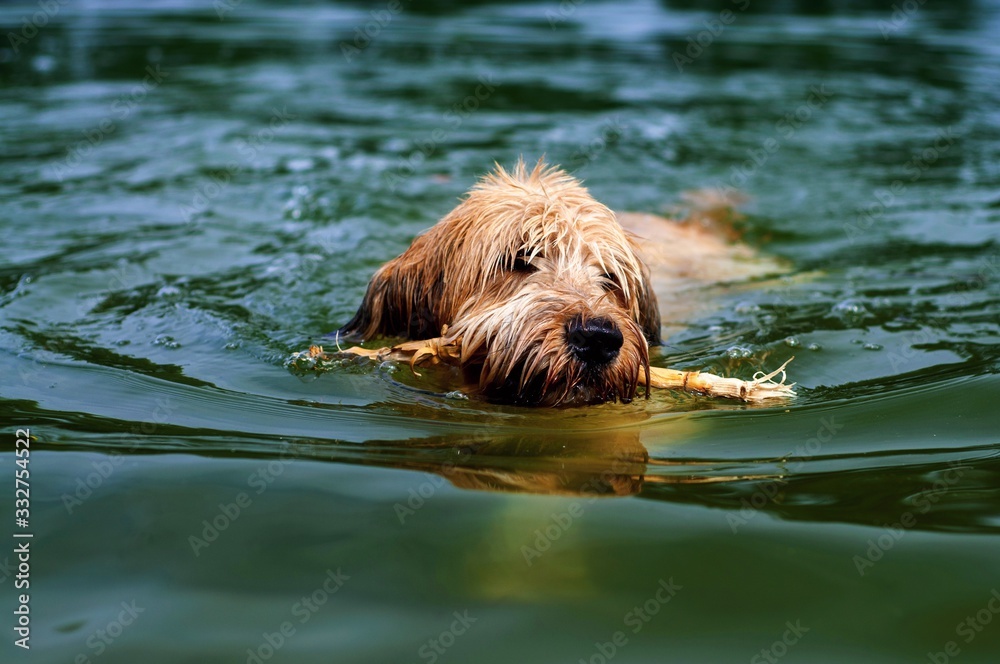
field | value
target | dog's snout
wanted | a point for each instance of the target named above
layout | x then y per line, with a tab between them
594	341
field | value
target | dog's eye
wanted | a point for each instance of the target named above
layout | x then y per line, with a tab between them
521	264
610	282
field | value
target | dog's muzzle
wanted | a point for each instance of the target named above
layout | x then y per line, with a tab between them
594	341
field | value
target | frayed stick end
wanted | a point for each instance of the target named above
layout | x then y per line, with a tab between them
761	388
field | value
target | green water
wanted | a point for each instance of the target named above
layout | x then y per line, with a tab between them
172	234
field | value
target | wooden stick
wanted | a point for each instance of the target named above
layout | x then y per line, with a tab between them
758	389
433	351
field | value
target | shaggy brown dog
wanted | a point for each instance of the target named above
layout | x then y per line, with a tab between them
550	296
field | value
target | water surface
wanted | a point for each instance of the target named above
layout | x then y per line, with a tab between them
188	198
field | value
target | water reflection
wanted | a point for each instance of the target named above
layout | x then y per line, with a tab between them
945	490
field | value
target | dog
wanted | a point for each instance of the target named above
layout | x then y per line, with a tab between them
550	296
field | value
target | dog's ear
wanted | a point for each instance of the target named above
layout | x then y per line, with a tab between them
403	298
649	310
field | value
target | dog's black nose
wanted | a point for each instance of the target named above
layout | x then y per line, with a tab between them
595	341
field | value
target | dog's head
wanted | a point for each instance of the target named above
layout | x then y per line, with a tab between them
543	287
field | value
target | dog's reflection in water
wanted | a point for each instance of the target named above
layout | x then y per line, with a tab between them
608	463
593	463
